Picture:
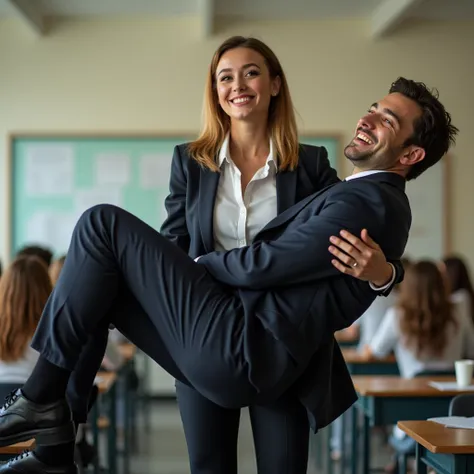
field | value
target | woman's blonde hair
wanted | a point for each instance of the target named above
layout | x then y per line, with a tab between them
55	269
24	289
281	117
426	310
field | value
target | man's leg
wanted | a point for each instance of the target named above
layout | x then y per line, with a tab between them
82	377
199	323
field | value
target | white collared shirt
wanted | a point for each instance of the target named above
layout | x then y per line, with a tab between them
361	174
237	218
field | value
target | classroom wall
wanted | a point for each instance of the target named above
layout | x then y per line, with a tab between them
141	74
148	75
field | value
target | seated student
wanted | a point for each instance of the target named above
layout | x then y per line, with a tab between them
462	291
24	290
424	329
55	268
43	253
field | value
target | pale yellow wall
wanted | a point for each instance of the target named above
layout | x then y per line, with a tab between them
148	76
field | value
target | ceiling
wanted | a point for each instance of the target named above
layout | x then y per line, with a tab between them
380	12
248	9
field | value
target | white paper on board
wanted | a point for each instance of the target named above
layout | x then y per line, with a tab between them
49	170
86	198
112	168
155	170
54	230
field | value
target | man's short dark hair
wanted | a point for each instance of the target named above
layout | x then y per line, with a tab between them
433	131
37	251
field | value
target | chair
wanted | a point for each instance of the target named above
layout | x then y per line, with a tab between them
462	405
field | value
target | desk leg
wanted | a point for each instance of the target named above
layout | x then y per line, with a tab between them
95	434
342	441
420	465
329	462
461	465
354	439
366	441
127	435
112	431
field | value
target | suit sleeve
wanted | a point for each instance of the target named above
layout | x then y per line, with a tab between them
174	227
300	254
322	174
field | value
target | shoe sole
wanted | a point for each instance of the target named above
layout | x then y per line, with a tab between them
44	437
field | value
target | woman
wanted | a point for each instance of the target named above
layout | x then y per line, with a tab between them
462	291
245	168
24	290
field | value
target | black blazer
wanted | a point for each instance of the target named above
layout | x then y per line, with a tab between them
189	225
286	281
190	204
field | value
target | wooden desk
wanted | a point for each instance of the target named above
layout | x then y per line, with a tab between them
9	451
359	364
383	400
386	386
448	450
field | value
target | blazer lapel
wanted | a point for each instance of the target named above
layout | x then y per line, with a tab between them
286	189
207	196
292	211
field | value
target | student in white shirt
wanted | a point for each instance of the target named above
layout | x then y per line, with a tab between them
24	288
425	329
251	169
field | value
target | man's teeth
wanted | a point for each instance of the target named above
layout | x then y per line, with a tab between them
364	138
241	100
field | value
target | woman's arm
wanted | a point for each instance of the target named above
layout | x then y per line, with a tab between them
174	227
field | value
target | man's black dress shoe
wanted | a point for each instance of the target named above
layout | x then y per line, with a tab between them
21	420
28	463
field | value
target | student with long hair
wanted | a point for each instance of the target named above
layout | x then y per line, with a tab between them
424	329
24	290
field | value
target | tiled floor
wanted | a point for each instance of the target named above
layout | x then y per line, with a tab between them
163	451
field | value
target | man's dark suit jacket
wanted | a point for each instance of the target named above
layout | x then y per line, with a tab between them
325	387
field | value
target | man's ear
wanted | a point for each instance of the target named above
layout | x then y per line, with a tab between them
413	155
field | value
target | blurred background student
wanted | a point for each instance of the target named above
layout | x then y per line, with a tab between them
426	331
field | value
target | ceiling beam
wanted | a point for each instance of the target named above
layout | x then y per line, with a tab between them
207	13
30	12
390	14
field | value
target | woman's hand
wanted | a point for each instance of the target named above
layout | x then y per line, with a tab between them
361	258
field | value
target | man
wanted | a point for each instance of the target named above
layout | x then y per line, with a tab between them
240	326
